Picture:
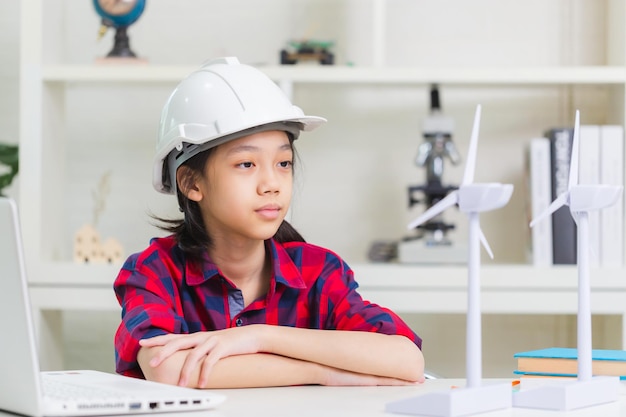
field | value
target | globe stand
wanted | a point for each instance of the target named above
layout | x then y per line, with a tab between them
121	45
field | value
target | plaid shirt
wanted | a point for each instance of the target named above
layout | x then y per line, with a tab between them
310	287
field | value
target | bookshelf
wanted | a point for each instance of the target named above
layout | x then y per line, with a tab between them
59	79
549	291
590	75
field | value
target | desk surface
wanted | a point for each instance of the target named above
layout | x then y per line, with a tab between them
316	401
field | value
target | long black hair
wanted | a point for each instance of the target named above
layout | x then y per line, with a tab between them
190	231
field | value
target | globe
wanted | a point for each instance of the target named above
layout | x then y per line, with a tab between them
119	15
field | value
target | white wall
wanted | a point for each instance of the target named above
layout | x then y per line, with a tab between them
355	170
364	155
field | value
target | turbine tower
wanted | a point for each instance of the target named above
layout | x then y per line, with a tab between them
472	199
587	390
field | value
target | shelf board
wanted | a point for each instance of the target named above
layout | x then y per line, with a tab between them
145	73
505	289
504	277
376	275
69	274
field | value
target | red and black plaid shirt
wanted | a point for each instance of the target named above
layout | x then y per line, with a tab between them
311	287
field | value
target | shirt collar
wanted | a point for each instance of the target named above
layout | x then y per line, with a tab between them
285	270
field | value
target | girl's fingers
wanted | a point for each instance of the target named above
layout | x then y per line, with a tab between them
173	345
195	356
205	370
213	356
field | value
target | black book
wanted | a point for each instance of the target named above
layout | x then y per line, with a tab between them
563	224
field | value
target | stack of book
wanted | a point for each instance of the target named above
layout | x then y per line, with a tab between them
559	362
601	161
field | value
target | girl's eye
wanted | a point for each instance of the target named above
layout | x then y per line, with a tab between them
245	165
285	164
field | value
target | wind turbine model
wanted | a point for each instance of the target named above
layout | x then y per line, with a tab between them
475	397
586	390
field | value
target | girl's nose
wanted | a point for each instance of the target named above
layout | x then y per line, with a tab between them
268	181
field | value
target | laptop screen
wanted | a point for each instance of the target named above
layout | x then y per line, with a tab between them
20	376
19	366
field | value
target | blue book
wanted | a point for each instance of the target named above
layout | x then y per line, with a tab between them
543	375
558	361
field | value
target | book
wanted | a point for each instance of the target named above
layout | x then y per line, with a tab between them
589	174
527	375
539	197
563	224
558	361
612	218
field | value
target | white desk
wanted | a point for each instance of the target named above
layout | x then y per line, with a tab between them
316	401
404	289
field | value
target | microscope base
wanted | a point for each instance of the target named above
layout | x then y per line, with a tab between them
419	251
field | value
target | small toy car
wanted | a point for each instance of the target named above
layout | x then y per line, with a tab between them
308	51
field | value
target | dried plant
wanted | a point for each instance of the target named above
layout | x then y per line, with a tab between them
99	196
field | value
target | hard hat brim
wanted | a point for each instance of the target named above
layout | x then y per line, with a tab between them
164	170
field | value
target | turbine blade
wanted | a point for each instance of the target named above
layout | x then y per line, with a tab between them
446	202
470	163
559	202
483	240
573	165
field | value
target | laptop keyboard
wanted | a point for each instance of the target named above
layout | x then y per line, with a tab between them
62	390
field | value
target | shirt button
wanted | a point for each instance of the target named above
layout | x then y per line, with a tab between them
239	322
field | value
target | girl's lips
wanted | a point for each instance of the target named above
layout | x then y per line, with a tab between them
269	212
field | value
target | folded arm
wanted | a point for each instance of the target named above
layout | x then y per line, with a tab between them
255	371
329	357
356	351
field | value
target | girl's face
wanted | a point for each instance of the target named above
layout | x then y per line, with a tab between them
246	188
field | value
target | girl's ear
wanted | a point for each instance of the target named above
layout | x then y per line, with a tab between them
186	181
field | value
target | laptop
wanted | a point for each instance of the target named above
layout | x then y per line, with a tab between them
24	388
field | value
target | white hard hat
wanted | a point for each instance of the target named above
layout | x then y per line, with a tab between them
221	101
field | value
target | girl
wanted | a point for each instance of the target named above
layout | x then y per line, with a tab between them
235	297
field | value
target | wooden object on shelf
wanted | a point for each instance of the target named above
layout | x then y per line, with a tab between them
88	247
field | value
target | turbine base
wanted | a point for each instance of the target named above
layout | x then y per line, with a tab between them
567	395
455	402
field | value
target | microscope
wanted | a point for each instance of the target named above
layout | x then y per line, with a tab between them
431	243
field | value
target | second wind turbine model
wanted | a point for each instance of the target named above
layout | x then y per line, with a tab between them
586	390
474	398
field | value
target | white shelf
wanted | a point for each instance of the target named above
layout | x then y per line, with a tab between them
142	73
502	276
65	274
505	289
378	275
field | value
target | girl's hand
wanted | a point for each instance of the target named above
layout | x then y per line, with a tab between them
205	349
